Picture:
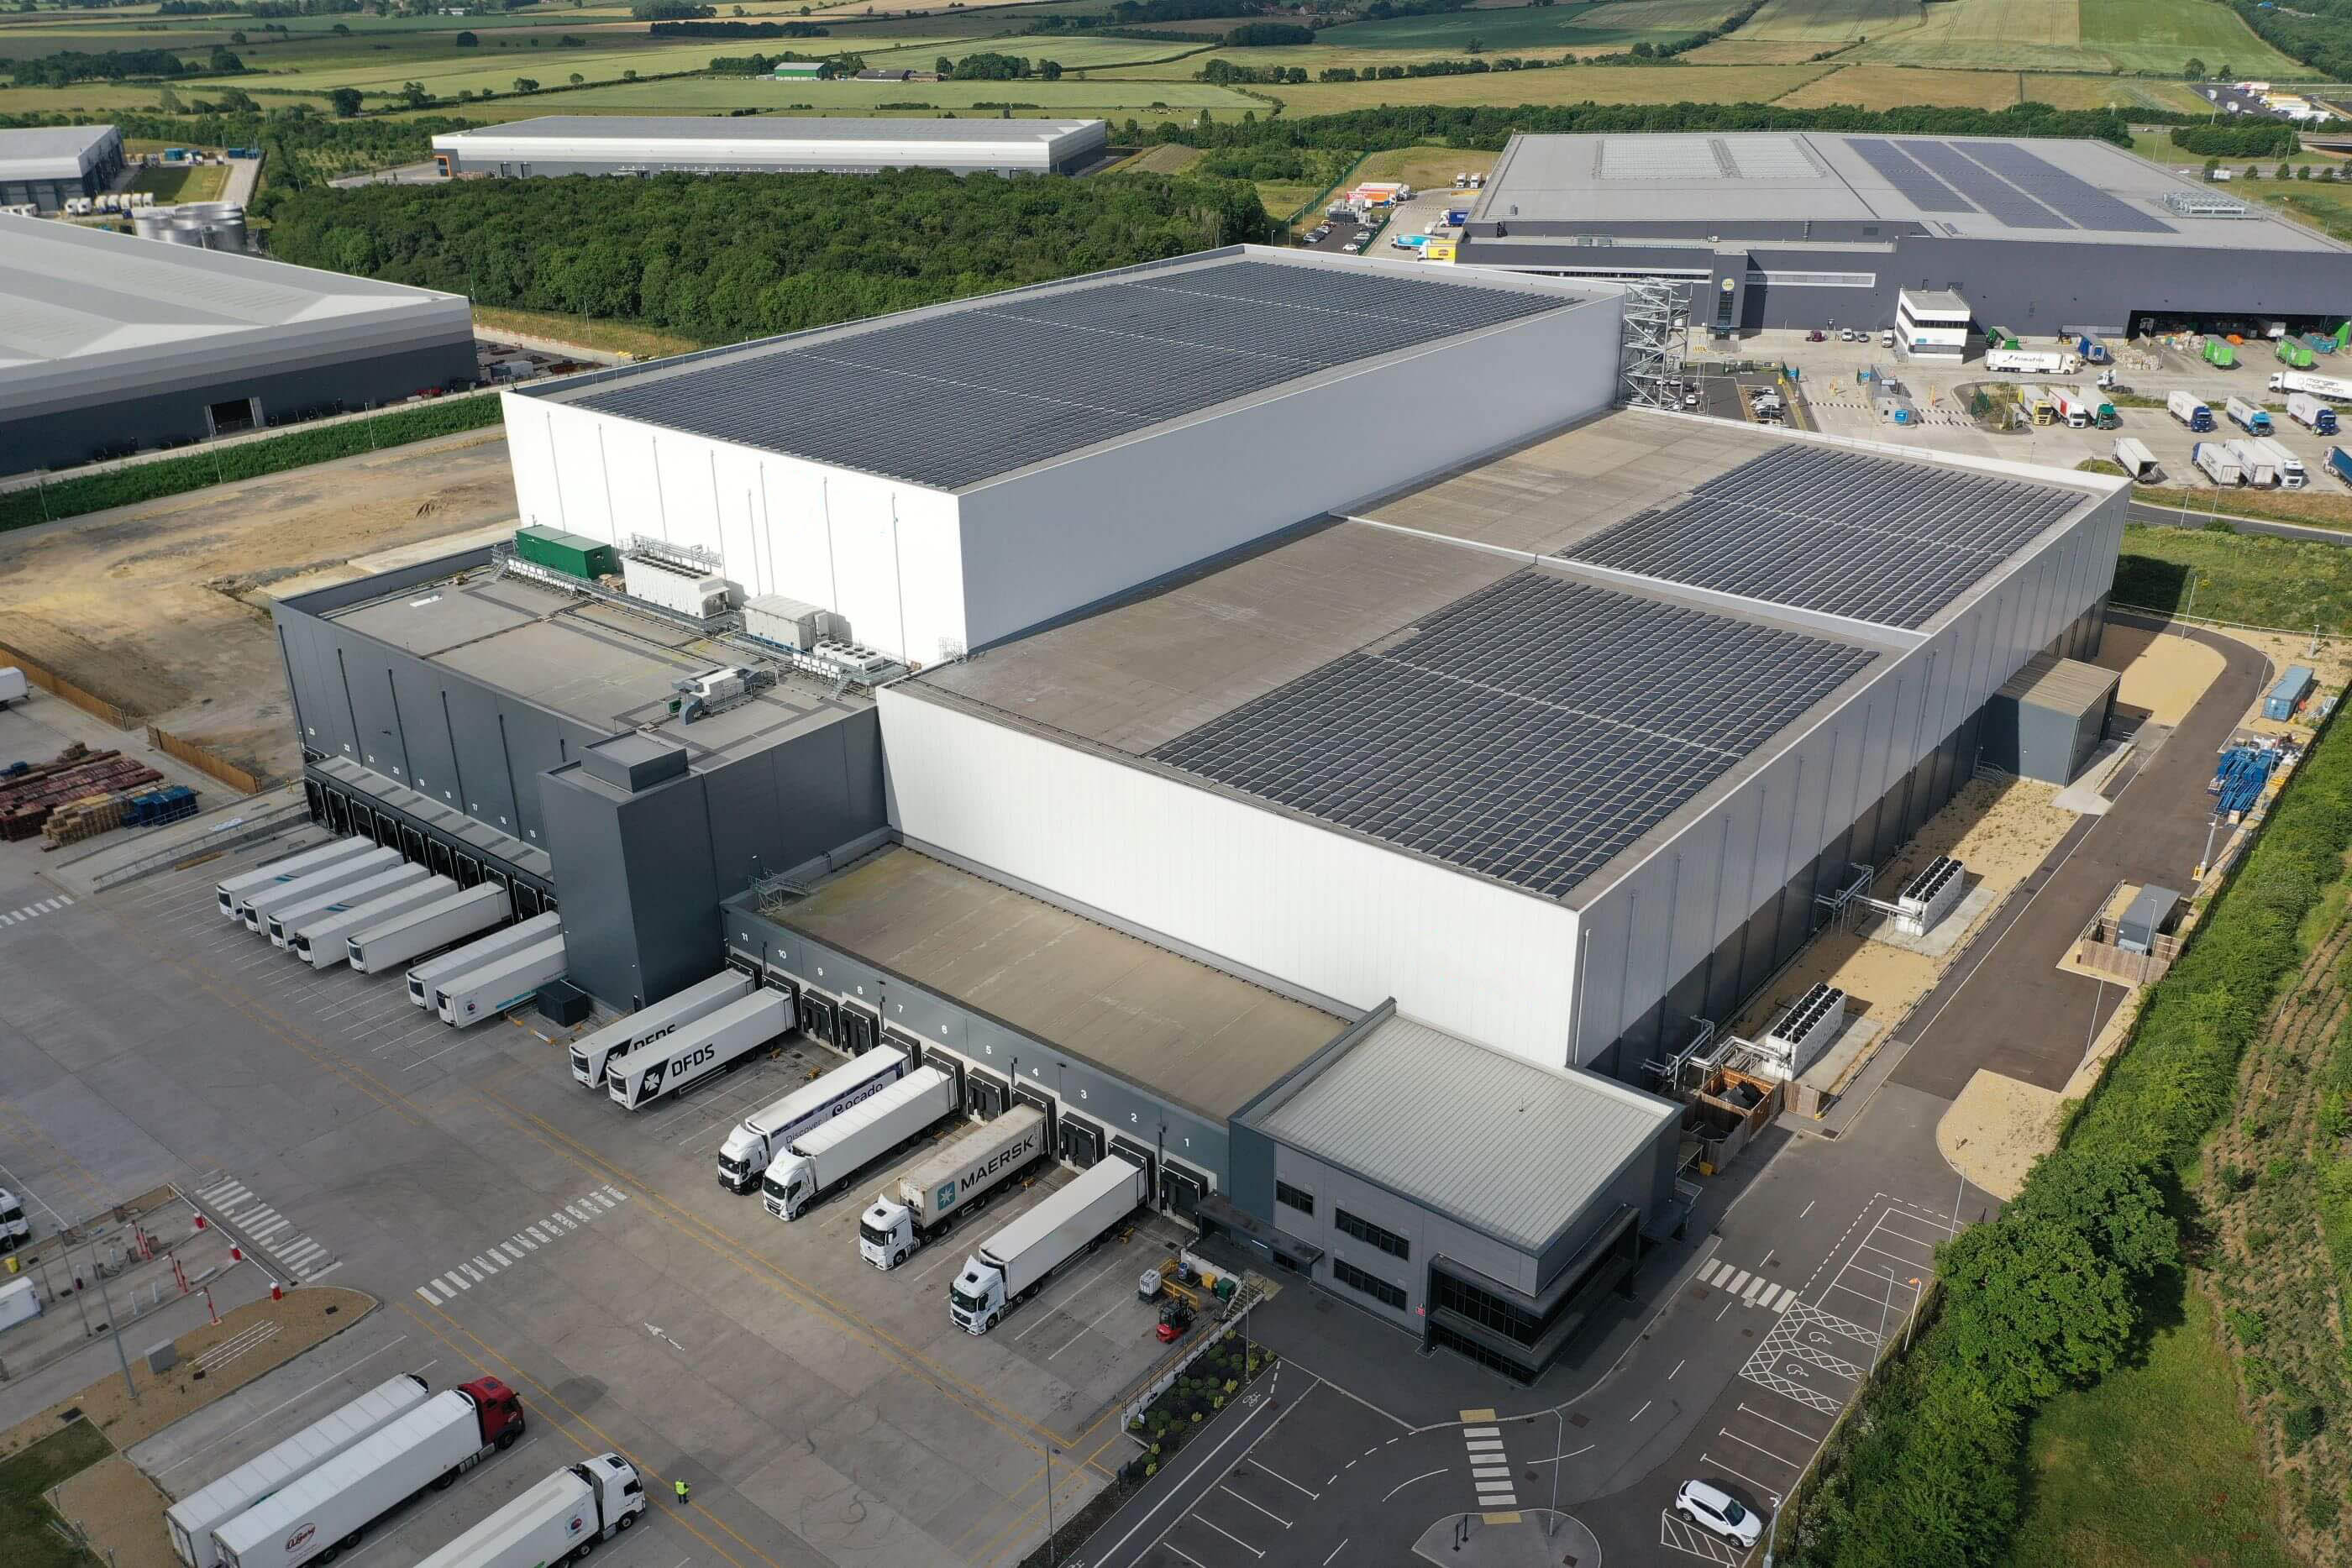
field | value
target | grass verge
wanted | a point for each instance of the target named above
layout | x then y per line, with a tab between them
605	337
2254	580
29	1526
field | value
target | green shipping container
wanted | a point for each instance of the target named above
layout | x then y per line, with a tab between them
575	554
2218	353
2295	353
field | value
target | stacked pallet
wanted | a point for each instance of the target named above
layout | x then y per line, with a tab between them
30	798
78	819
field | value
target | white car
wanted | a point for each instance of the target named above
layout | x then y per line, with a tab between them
1352	247
1717	1512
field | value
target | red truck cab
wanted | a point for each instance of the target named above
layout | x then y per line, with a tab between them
497	1408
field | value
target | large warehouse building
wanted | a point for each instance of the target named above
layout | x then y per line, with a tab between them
654	144
110	344
46	167
1810	228
1462	740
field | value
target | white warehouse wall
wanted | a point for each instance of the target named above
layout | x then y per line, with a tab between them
1334	914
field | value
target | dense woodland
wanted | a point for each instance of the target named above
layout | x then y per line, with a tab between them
726	257
2317	32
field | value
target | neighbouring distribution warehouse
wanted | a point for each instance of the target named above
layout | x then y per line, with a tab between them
663	144
47	166
1814	228
110	344
1266	832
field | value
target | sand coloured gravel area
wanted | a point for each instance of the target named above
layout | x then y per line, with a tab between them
2163	675
1999	1126
120	1512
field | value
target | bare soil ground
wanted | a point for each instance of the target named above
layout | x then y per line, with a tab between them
119	1511
142	605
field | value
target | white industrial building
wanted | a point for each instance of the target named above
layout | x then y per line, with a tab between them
46	166
1933	323
721	144
110	343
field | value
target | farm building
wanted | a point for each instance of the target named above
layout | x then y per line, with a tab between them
616	144
1439	751
43	167
1805	229
112	343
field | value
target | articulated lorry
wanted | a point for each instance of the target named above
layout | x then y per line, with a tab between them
281	923
15	1228
590	1056
2184	407
233	892
451	918
2135	459
2247	416
712	1044
255	908
326	939
467	999
2031	362
2072	410
326	1512
522	934
562	1516
2216	461
2254	465
2339	462
956	1181
2284	463
815	1164
759	1137
2102	411
1011	1264
2310	413
195	1517
2337	387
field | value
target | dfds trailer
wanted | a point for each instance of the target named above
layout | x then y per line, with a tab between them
193	1518
464	1000
715	1043
281	923
563	1515
1011	1264
513	938
452	917
255	908
821	1158
292	868
590	1056
327	939
327	1512
761	1136
956	1181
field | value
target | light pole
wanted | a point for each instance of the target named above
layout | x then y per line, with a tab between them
1914	1318
106	1300
2092	1038
1773	1541
1051	1556
1885	1307
1558	1457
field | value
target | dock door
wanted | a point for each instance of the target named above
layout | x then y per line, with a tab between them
1136	1155
1082	1142
861	1027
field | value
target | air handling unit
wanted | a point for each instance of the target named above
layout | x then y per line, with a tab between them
1799	1036
678	578
1927	898
574	555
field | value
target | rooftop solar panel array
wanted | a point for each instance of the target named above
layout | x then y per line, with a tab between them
951	399
2077	198
1872	539
1530	732
1920	188
1980	185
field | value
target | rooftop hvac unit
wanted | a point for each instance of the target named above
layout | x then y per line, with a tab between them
791	622
1930	896
675	588
867	662
1806	1030
717	685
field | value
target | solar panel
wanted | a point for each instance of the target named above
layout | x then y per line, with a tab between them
1978	184
1530	732
954	398
1923	190
2078	199
1872	539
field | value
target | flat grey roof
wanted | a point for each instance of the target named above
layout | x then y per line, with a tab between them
1198	1036
1946	301
51	152
750	127
1975	187
1509	1148
957	394
2066	685
603	666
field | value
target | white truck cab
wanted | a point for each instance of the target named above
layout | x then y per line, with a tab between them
886	1233
14	1229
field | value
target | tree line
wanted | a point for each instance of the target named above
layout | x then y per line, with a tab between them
2317	32
69	66
2256	138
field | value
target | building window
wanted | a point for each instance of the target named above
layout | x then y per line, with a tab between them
1487	1311
1304	1202
1387	1241
1355	1279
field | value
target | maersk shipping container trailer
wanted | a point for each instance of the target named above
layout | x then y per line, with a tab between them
424	977
289	868
590	1056
464	1000
451	918
945	1187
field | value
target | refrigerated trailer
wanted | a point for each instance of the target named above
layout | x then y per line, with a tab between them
464	1000
424	977
2215	459
327	1512
1011	1264
2135	459
255	908
590	1057
195	1517
282	924
959	1180
563	1515
326	940
710	1045
2249	417
2283	462
232	892
2304	381
761	1136
2189	411
2254	465
452	917
816	1162
2309	411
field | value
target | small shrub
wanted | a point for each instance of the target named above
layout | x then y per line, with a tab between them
2248	1326
2303	1422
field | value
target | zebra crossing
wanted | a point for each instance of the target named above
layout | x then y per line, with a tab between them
271	1232
35	911
561	1222
1490	1470
1753	1290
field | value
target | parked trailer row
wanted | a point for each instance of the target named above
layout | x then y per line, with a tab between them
233	893
255	907
281	923
466	998
429	927
562	1516
424	979
193	1518
590	1057
815	1164
759	1138
1010	1265
932	1198
725	1039
327	940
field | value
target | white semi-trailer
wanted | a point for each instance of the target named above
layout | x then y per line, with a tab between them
2031	362
281	923
2214	459
326	939
325	1513
762	1136
453	917
2291	473
288	869
1011	1264
817	1162
195	1517
2312	413
957	1180
522	934
2135	459
2254	464
562	1516
255	908
464	1000
710	1045
590	1056
2305	382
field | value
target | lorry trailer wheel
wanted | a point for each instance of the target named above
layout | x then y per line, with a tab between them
585	1547
444	1481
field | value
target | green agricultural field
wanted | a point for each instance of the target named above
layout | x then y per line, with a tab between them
1075	51
717	94
1531	29
2155	36
1829	21
1573	84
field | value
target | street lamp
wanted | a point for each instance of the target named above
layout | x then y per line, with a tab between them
1051	1555
1771	1543
1558	1457
1910	1322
